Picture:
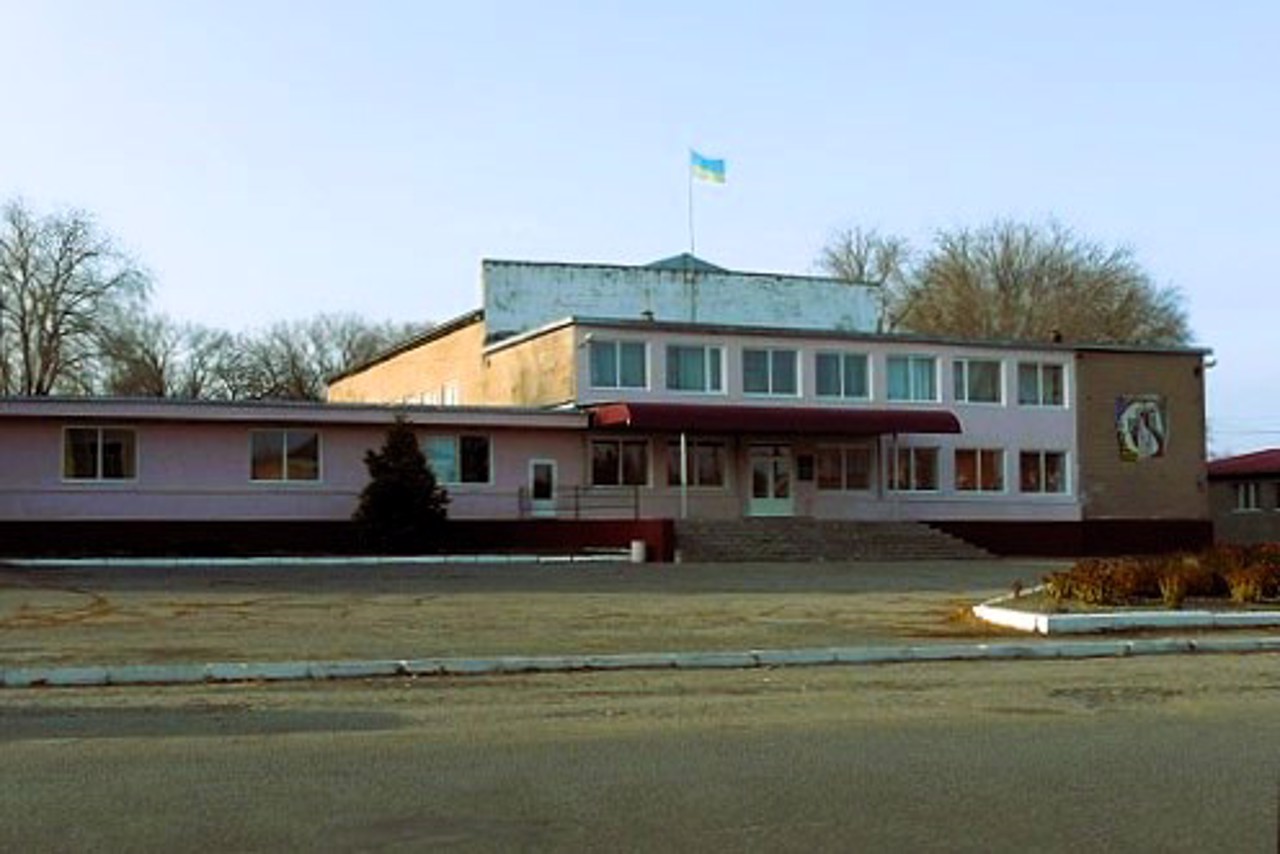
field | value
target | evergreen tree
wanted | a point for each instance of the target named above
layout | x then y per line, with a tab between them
402	507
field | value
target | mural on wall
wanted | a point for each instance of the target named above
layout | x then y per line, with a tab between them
1142	426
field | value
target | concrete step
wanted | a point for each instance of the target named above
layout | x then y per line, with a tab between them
809	540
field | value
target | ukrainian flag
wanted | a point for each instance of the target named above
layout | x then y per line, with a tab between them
706	169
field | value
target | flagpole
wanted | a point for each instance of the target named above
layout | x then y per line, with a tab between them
689	169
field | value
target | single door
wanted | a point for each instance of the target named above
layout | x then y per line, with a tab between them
771	482
542	487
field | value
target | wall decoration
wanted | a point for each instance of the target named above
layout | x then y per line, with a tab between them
1142	426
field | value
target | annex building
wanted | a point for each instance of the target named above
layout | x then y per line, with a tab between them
589	404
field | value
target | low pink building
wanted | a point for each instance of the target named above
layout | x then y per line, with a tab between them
103	475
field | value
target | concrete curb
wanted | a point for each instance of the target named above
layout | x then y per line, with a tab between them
288	671
613	556
1071	624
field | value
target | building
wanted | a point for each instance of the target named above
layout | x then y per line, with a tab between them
1244	496
158	476
724	395
587	401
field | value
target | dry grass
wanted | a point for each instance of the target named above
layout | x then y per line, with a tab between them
111	625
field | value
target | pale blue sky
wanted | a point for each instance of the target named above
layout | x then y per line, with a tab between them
270	160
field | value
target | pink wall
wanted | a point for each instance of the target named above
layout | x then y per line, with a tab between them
200	471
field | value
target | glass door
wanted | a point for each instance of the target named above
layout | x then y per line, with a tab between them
771	487
542	487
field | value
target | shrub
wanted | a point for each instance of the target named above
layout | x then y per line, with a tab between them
402	506
1173	588
1058	586
1139	578
1093	581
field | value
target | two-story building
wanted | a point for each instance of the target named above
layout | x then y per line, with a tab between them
725	395
601	394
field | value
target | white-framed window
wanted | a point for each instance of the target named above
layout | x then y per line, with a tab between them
619	462
618	364
842	375
1042	471
284	455
99	453
1040	384
707	463
695	368
979	470
1247	497
769	371
464	458
843	469
977	381
912	378
914	470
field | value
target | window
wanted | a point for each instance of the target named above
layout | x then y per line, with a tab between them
1039	384
770	372
706	463
458	459
285	455
977	380
915	470
619	462
912	378
694	368
99	453
1246	497
844	469
979	470
842	375
618	364
1042	471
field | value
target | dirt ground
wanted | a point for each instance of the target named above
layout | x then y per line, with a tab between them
89	614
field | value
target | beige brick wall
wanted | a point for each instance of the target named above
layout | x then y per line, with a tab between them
1169	487
421	373
536	372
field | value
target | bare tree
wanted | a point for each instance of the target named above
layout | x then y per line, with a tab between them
1021	281
868	257
60	279
294	361
152	356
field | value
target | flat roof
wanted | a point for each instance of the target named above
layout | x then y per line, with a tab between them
284	412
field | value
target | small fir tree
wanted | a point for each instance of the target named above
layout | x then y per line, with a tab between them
402	506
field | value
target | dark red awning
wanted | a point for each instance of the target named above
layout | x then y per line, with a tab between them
711	418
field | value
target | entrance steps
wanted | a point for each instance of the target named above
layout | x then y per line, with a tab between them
792	540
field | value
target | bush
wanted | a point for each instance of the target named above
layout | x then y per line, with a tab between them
1173	588
1058	586
402	507
1249	574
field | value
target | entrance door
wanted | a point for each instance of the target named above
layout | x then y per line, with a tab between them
771	492
542	487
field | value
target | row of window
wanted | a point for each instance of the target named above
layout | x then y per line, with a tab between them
111	453
625	462
1249	495
98	453
846	375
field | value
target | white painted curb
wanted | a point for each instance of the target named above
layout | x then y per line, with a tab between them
1066	624
614	556
223	672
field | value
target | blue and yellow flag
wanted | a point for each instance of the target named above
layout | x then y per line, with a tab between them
706	169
